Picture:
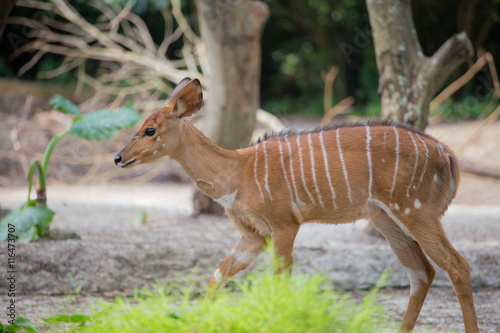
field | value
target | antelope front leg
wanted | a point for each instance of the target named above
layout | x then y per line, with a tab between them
283	240
244	253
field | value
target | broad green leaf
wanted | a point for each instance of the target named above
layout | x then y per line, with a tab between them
13	328
64	105
31	330
30	222
104	124
77	318
29	235
21	321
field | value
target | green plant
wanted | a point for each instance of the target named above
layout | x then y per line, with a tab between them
19	324
262	303
32	219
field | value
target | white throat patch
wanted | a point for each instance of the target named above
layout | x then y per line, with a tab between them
227	200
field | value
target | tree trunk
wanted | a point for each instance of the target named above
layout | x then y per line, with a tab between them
231	31
407	79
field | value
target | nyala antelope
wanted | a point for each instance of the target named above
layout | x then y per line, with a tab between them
400	178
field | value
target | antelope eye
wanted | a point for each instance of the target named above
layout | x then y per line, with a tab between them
150	131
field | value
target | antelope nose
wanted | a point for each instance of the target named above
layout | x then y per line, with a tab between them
118	159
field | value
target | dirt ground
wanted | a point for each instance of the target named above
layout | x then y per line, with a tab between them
114	256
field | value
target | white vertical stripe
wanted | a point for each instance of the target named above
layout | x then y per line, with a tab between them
439	145
425	163
341	155
284	169
217	276
327	168
416	164
311	151
369	156
266	179
397	160
297	199
255	171
302	169
441	148
385	145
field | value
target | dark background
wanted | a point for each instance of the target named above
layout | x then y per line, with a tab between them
303	39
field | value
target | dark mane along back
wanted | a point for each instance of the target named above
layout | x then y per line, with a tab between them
337	125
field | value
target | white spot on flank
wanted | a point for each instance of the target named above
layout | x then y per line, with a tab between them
386	209
407	211
396	206
341	155
155	152
369	156
243	256
158	139
163	145
284	169
217	276
302	169
311	151
266	179
297	199
227	200
417	204
416	164
397	160
255	171
416	278
327	168
435	177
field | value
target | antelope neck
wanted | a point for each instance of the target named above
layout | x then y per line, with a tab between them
213	169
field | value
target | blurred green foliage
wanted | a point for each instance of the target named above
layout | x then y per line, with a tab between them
261	303
302	39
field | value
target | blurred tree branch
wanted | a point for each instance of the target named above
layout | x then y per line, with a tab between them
134	64
5	9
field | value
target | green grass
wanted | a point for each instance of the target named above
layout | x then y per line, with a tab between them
260	303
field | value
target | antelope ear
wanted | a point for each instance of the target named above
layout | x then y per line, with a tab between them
188	100
179	88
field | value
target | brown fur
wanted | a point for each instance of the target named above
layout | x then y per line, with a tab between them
271	188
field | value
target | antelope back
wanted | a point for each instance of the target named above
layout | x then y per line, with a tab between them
341	167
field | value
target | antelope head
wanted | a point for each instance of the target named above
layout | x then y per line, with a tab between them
159	135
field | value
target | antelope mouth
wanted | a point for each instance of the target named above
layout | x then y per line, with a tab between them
128	164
